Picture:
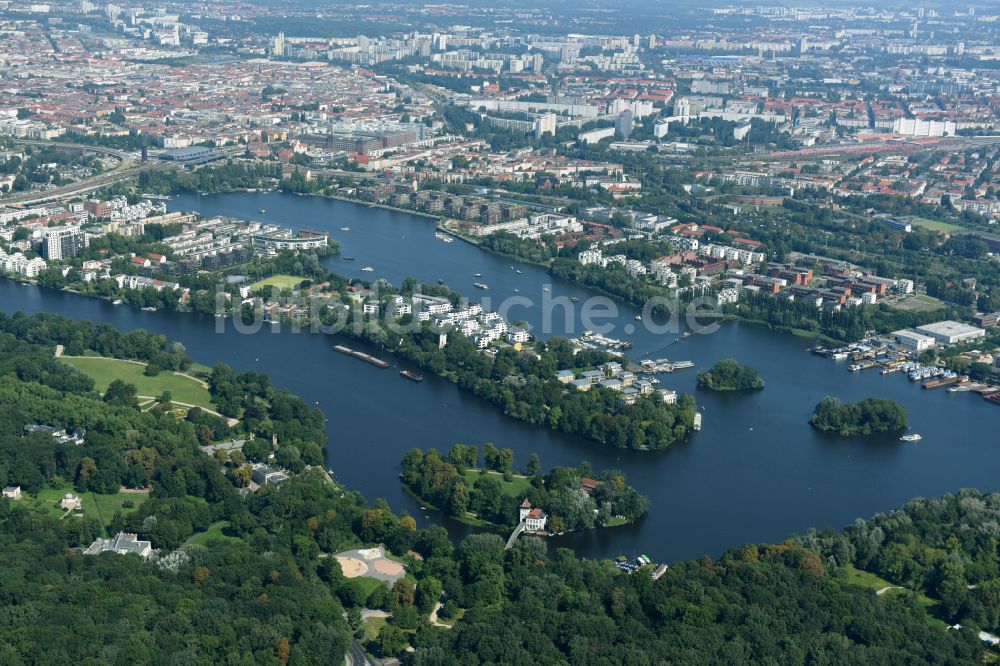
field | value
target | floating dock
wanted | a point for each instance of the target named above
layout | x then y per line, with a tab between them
945	381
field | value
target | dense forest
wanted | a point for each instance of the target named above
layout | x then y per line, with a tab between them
945	548
858	418
728	375
262	590
573	498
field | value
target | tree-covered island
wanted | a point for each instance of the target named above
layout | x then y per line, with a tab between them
530	381
728	375
490	492
864	417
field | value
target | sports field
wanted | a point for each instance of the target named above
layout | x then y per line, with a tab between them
279	281
935	225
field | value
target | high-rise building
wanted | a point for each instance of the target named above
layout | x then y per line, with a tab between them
545	124
63	242
623	124
278	46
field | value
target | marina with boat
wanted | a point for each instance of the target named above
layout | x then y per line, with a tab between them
591	340
889	358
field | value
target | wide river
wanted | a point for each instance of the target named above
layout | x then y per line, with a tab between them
755	473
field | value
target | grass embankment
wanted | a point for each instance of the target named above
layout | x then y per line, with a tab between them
468	518
99	507
183	389
371	626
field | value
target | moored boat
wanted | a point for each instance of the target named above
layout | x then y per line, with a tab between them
412	376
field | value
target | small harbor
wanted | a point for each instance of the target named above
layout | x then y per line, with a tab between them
890	358
591	340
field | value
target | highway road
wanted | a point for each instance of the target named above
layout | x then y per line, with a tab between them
125	171
84	148
83	186
357	656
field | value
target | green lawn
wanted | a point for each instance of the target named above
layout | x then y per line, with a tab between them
935	225
866	579
279	281
920	303
876	583
212	534
98	507
516	487
105	370
366	585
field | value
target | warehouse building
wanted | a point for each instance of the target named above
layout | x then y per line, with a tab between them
914	341
951	332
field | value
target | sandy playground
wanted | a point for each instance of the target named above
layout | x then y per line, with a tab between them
371	563
351	567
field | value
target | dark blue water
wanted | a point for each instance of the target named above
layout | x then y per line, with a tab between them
755	473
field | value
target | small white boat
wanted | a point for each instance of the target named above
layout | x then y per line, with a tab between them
638	317
477	275
545	288
367	269
263	210
914	437
345	228
117	302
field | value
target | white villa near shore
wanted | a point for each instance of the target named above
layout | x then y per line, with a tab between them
532	517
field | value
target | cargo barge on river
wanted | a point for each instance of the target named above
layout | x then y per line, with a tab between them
361	355
412	376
